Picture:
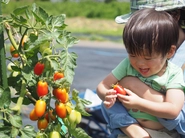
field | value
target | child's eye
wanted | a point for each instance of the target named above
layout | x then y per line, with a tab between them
148	58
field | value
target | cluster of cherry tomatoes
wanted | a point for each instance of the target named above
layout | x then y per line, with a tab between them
63	108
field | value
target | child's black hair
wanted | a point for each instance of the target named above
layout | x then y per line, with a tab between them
151	30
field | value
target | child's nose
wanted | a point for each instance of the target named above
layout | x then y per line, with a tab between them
140	63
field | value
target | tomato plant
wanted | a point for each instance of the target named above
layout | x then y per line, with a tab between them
42	88
43	63
119	89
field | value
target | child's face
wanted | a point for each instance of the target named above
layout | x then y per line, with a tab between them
148	65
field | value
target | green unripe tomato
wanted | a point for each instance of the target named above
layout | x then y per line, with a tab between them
9	66
44	46
46	52
78	117
54	134
72	116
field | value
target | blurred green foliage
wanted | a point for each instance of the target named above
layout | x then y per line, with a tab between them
87	8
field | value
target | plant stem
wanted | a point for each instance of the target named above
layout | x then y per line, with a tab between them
17	107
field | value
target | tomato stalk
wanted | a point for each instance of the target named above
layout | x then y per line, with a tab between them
13	42
11	38
18	105
28	94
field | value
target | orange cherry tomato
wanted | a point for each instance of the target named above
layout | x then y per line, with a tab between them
58	75
42	88
60	110
33	115
60	94
40	108
42	123
13	52
25	37
39	68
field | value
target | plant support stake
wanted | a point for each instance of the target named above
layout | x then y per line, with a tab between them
3	73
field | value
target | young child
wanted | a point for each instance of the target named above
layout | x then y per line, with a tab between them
150	39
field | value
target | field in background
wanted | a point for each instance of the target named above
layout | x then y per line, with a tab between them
95	29
87	19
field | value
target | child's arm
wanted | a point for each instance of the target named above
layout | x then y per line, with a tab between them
105	86
108	96
141	89
169	109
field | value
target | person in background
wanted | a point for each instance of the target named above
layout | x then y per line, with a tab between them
135	81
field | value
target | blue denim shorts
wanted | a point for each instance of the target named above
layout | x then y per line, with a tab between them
117	116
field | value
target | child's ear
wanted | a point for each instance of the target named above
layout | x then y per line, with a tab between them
171	51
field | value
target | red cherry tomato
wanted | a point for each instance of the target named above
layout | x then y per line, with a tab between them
40	108
42	88
39	68
119	89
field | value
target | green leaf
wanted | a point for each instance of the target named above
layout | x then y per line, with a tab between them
4	130
14	132
5	98
15	120
79	104
40	15
20	10
66	40
28	132
58	21
5	1
15	68
79	133
2	135
69	64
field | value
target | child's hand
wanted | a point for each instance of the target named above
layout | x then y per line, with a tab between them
131	100
110	98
